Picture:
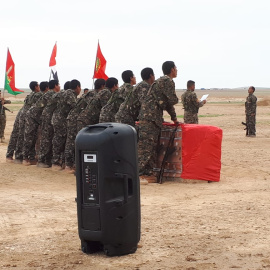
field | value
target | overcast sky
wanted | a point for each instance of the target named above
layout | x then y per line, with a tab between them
216	43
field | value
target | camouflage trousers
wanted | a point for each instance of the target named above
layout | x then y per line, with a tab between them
58	142
251	124
70	143
190	118
148	146
86	118
45	151
127	120
20	140
106	117
30	138
3	121
13	137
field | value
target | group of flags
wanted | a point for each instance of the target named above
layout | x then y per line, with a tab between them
99	70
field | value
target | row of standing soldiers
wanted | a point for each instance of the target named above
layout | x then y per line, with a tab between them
53	117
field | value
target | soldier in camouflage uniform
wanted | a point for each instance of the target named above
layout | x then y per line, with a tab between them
72	124
86	90
32	123
191	104
90	115
3	118
129	110
67	85
59	122
51	97
161	96
13	138
250	110
30	100
108	112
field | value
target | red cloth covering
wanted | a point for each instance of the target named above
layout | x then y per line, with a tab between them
201	152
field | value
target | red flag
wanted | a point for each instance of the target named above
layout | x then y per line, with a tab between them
52	60
100	65
10	77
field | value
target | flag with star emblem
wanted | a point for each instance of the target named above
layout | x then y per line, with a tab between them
100	65
10	77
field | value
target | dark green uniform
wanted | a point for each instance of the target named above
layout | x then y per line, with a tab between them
250	109
3	119
161	96
191	107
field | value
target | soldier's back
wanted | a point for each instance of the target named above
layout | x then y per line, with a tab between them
109	111
52	99
161	96
90	115
80	105
129	110
190	102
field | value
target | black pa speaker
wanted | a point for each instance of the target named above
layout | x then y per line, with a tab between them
108	189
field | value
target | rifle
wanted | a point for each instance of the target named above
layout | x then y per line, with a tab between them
3	108
169	150
246	129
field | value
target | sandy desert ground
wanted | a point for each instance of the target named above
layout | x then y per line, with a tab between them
186	224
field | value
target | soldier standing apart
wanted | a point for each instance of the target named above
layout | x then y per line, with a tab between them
161	96
109	111
59	121
45	152
250	110
3	118
129	110
72	124
191	104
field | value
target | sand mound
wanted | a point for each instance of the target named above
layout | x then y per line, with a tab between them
264	102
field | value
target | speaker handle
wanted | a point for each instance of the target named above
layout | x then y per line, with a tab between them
89	127
126	188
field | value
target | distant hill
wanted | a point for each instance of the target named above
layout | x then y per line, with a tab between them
244	88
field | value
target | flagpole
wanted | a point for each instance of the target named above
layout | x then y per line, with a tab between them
49	65
95	65
5	75
3	97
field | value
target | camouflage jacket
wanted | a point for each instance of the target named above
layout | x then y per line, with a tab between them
161	96
52	99
80	105
36	110
3	109
190	102
92	111
108	112
124	90
251	104
29	101
130	108
66	102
